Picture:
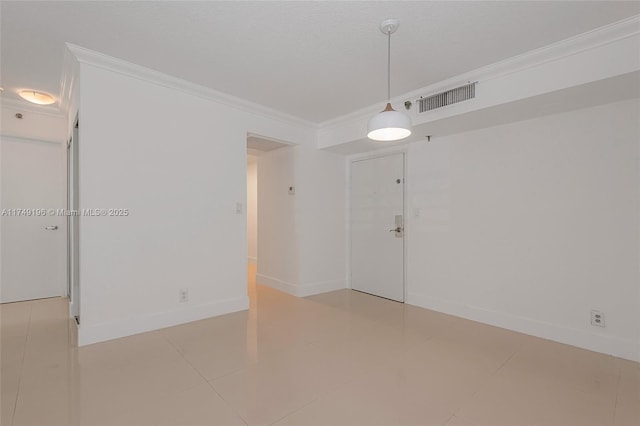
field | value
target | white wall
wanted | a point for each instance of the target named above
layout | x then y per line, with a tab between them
278	248
301	237
321	219
252	208
530	225
177	161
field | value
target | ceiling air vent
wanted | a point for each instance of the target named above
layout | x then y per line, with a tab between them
459	94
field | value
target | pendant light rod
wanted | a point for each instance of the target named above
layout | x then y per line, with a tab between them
389	67
388	27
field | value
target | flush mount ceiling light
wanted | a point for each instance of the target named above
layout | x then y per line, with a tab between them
389	125
35	97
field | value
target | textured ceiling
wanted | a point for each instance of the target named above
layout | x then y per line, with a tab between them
313	60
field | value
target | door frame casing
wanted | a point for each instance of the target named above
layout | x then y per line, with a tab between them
370	155
73	222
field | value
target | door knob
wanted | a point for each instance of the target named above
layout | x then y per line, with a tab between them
51	228
398	229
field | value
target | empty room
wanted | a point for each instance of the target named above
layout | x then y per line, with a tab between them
320	213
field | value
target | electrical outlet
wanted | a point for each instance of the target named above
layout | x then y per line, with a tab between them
184	295
597	318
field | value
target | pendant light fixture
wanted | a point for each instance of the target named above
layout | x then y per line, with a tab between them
389	125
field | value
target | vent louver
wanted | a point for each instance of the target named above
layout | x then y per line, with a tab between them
459	94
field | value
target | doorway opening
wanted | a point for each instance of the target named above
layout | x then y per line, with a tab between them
252	222
260	185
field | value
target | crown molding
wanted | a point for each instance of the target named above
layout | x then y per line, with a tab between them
68	79
22	105
90	57
593	39
21	139
553	52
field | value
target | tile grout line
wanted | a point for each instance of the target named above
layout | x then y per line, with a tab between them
245	421
506	361
446	422
297	409
24	354
484	384
225	374
203	378
317	397
175	348
615	405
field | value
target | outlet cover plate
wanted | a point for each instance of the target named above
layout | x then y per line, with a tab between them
597	318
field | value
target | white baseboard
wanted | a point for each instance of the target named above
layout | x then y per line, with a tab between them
88	334
321	287
276	283
595	342
253	260
301	290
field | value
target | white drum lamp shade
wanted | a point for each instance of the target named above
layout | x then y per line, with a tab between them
389	125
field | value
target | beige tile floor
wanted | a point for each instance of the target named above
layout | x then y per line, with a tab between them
340	358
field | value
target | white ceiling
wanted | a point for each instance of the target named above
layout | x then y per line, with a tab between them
313	60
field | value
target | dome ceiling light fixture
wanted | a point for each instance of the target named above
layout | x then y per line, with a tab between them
389	125
35	97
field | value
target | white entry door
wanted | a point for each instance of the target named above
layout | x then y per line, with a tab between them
33	239
377	226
